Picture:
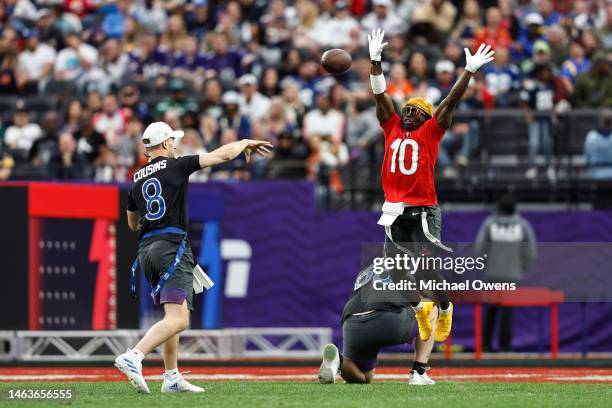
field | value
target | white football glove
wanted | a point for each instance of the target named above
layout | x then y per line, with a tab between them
482	56
375	44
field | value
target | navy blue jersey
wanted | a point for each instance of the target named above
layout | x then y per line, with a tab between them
159	193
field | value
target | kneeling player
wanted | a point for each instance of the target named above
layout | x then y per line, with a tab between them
369	323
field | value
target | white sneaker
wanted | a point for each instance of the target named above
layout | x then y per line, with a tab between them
330	365
419	379
132	368
176	383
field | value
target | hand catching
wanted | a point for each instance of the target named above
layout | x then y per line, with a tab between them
482	57
260	147
375	44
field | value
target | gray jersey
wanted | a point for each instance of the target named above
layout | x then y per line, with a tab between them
510	246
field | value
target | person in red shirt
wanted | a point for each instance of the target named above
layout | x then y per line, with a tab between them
411	213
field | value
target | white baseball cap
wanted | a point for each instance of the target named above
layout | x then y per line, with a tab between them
534	18
157	132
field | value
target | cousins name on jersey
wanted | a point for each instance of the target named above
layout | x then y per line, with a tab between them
149	169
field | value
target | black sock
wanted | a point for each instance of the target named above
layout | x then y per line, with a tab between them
444	305
341	359
419	367
414	304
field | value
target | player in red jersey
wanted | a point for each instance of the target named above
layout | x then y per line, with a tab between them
411	213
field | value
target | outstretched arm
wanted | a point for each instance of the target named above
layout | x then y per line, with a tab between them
384	105
231	150
444	111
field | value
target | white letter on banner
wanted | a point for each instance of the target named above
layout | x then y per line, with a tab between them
238	254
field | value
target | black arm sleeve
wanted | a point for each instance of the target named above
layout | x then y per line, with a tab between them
189	164
131	204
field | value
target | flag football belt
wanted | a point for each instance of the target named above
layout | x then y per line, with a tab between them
170	269
393	210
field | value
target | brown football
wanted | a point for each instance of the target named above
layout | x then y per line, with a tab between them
336	61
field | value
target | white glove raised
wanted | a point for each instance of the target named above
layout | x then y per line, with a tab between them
375	44
482	56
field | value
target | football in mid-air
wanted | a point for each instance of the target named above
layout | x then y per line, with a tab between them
336	61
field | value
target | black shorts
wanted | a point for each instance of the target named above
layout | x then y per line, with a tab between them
407	231
365	335
155	257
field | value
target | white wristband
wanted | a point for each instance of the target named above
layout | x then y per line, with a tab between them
378	83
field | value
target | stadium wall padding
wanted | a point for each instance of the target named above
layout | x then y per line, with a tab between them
303	261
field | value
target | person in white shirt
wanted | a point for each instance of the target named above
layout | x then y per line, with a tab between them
36	60
324	121
253	104
74	60
340	26
384	16
22	134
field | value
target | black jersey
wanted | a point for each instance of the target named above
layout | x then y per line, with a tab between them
366	297
159	193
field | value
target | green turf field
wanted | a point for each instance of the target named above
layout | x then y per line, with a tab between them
387	394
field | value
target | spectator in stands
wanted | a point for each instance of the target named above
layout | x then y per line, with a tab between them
509	244
418	73
21	135
75	60
441	86
178	101
151	15
383	16
105	166
173	38
494	33
113	64
231	170
36	61
469	24
594	88
253	105
574	66
132	33
324	121
557	40
289	158
189	63
294	108
604	27
129	97
598	148
198	23
6	165
399	87
223	61
464	133
363	131
396	51
549	15
90	143
148	61
541	92
541	55
191	144
232	118
502	78
340	26
67	163
72	117
112	121
278	121
270	84
531	33
509	18
12	79
439	14
210	132
44	147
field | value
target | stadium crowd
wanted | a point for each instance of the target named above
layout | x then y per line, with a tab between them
80	79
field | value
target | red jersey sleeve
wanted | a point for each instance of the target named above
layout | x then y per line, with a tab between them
390	124
433	129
